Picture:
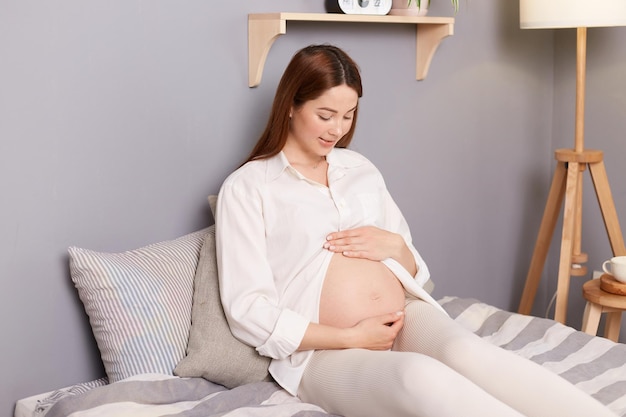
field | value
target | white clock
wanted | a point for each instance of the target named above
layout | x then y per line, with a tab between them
378	7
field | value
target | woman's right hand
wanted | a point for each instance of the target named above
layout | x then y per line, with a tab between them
378	332
374	333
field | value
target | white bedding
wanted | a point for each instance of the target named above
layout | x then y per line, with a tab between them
26	406
37	405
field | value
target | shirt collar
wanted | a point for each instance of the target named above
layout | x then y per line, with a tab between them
344	158
276	165
337	158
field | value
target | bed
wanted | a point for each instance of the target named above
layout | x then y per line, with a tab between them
166	348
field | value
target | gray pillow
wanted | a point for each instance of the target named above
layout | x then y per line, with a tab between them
213	352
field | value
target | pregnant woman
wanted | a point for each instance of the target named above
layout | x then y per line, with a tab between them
318	272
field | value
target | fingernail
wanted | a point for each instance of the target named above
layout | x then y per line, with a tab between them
399	313
326	245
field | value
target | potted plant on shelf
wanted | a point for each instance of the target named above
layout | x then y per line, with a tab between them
415	7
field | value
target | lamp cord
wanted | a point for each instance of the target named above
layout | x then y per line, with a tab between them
550	305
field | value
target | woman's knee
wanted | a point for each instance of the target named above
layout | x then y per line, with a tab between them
463	351
421	384
417	374
432	333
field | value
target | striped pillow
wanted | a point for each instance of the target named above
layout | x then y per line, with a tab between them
139	303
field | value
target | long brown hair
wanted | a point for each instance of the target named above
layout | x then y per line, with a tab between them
311	72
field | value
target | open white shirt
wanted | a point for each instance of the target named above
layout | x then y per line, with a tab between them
271	224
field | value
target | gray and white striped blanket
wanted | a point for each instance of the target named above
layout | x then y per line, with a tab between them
595	365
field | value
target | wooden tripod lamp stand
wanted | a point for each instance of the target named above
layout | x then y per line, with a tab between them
571	163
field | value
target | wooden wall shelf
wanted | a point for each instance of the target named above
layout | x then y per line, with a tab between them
265	28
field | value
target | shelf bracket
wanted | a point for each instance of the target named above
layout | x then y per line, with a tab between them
428	39
261	36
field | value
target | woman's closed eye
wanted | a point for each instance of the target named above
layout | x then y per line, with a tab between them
328	118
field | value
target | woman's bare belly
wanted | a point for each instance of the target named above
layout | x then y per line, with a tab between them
355	289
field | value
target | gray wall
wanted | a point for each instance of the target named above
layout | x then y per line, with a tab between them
118	118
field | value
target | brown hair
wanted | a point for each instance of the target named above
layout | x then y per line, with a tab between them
311	72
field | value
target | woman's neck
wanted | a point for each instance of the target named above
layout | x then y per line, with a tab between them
298	159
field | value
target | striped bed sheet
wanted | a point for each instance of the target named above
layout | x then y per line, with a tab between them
596	365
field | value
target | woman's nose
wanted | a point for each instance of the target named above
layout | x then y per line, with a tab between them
336	130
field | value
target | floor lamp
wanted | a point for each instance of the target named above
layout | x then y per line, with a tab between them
571	163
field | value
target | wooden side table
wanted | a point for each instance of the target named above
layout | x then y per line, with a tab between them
600	301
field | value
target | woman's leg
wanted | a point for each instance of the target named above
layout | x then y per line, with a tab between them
519	382
365	383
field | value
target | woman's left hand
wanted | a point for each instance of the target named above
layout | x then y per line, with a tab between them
367	242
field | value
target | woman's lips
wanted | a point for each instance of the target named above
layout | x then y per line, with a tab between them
327	142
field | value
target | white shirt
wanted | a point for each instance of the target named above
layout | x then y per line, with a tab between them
271	223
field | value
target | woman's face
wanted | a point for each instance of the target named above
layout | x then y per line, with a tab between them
319	124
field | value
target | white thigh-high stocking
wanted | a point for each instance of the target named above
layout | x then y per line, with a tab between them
364	383
516	381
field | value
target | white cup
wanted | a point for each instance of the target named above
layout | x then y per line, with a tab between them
616	266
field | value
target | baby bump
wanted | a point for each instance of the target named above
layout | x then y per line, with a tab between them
355	289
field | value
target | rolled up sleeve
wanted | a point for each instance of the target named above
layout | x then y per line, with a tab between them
286	337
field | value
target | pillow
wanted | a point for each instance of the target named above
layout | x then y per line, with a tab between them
212	203
139	303
213	352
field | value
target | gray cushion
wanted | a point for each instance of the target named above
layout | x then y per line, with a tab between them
213	352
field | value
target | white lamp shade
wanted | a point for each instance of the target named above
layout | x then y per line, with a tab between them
537	14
